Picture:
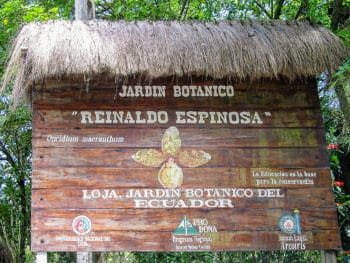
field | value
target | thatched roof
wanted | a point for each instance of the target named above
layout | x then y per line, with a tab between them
241	50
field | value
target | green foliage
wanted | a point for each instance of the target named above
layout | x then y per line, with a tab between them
342	72
64	8
160	9
219	257
14	13
341	84
15	139
136	10
15	170
39	13
9	25
15	126
344	33
312	10
66	257
338	136
343	205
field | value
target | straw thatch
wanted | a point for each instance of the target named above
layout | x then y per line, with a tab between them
241	50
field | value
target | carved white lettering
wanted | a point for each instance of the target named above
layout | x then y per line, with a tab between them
206	91
142	91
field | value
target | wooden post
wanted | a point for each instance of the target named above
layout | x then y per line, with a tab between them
41	257
84	9
83	257
328	256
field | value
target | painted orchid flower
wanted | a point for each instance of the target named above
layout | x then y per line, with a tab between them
170	174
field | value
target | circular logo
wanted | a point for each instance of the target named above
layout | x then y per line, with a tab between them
81	225
288	224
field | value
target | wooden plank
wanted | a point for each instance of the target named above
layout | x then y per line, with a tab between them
108	98
103	177
143	137
328	256
229	197
145	241
239	219
83	257
41	257
261	168
298	118
101	83
97	84
230	157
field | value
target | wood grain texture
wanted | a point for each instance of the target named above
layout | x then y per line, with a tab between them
282	161
143	137
71	198
168	220
305	118
145	241
108	98
107	177
229	157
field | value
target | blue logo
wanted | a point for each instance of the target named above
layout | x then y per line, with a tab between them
290	224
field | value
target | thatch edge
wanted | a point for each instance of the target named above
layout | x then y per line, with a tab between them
22	73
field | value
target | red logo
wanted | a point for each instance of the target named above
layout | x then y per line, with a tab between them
81	225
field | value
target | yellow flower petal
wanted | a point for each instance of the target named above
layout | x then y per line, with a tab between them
149	157
193	158
170	175
171	141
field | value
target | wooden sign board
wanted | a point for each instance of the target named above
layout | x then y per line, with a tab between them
185	166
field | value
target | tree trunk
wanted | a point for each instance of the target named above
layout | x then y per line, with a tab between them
343	93
84	9
24	225
345	167
278	9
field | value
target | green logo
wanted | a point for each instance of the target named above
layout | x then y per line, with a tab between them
186	228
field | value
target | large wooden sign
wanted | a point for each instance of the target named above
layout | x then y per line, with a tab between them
180	166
